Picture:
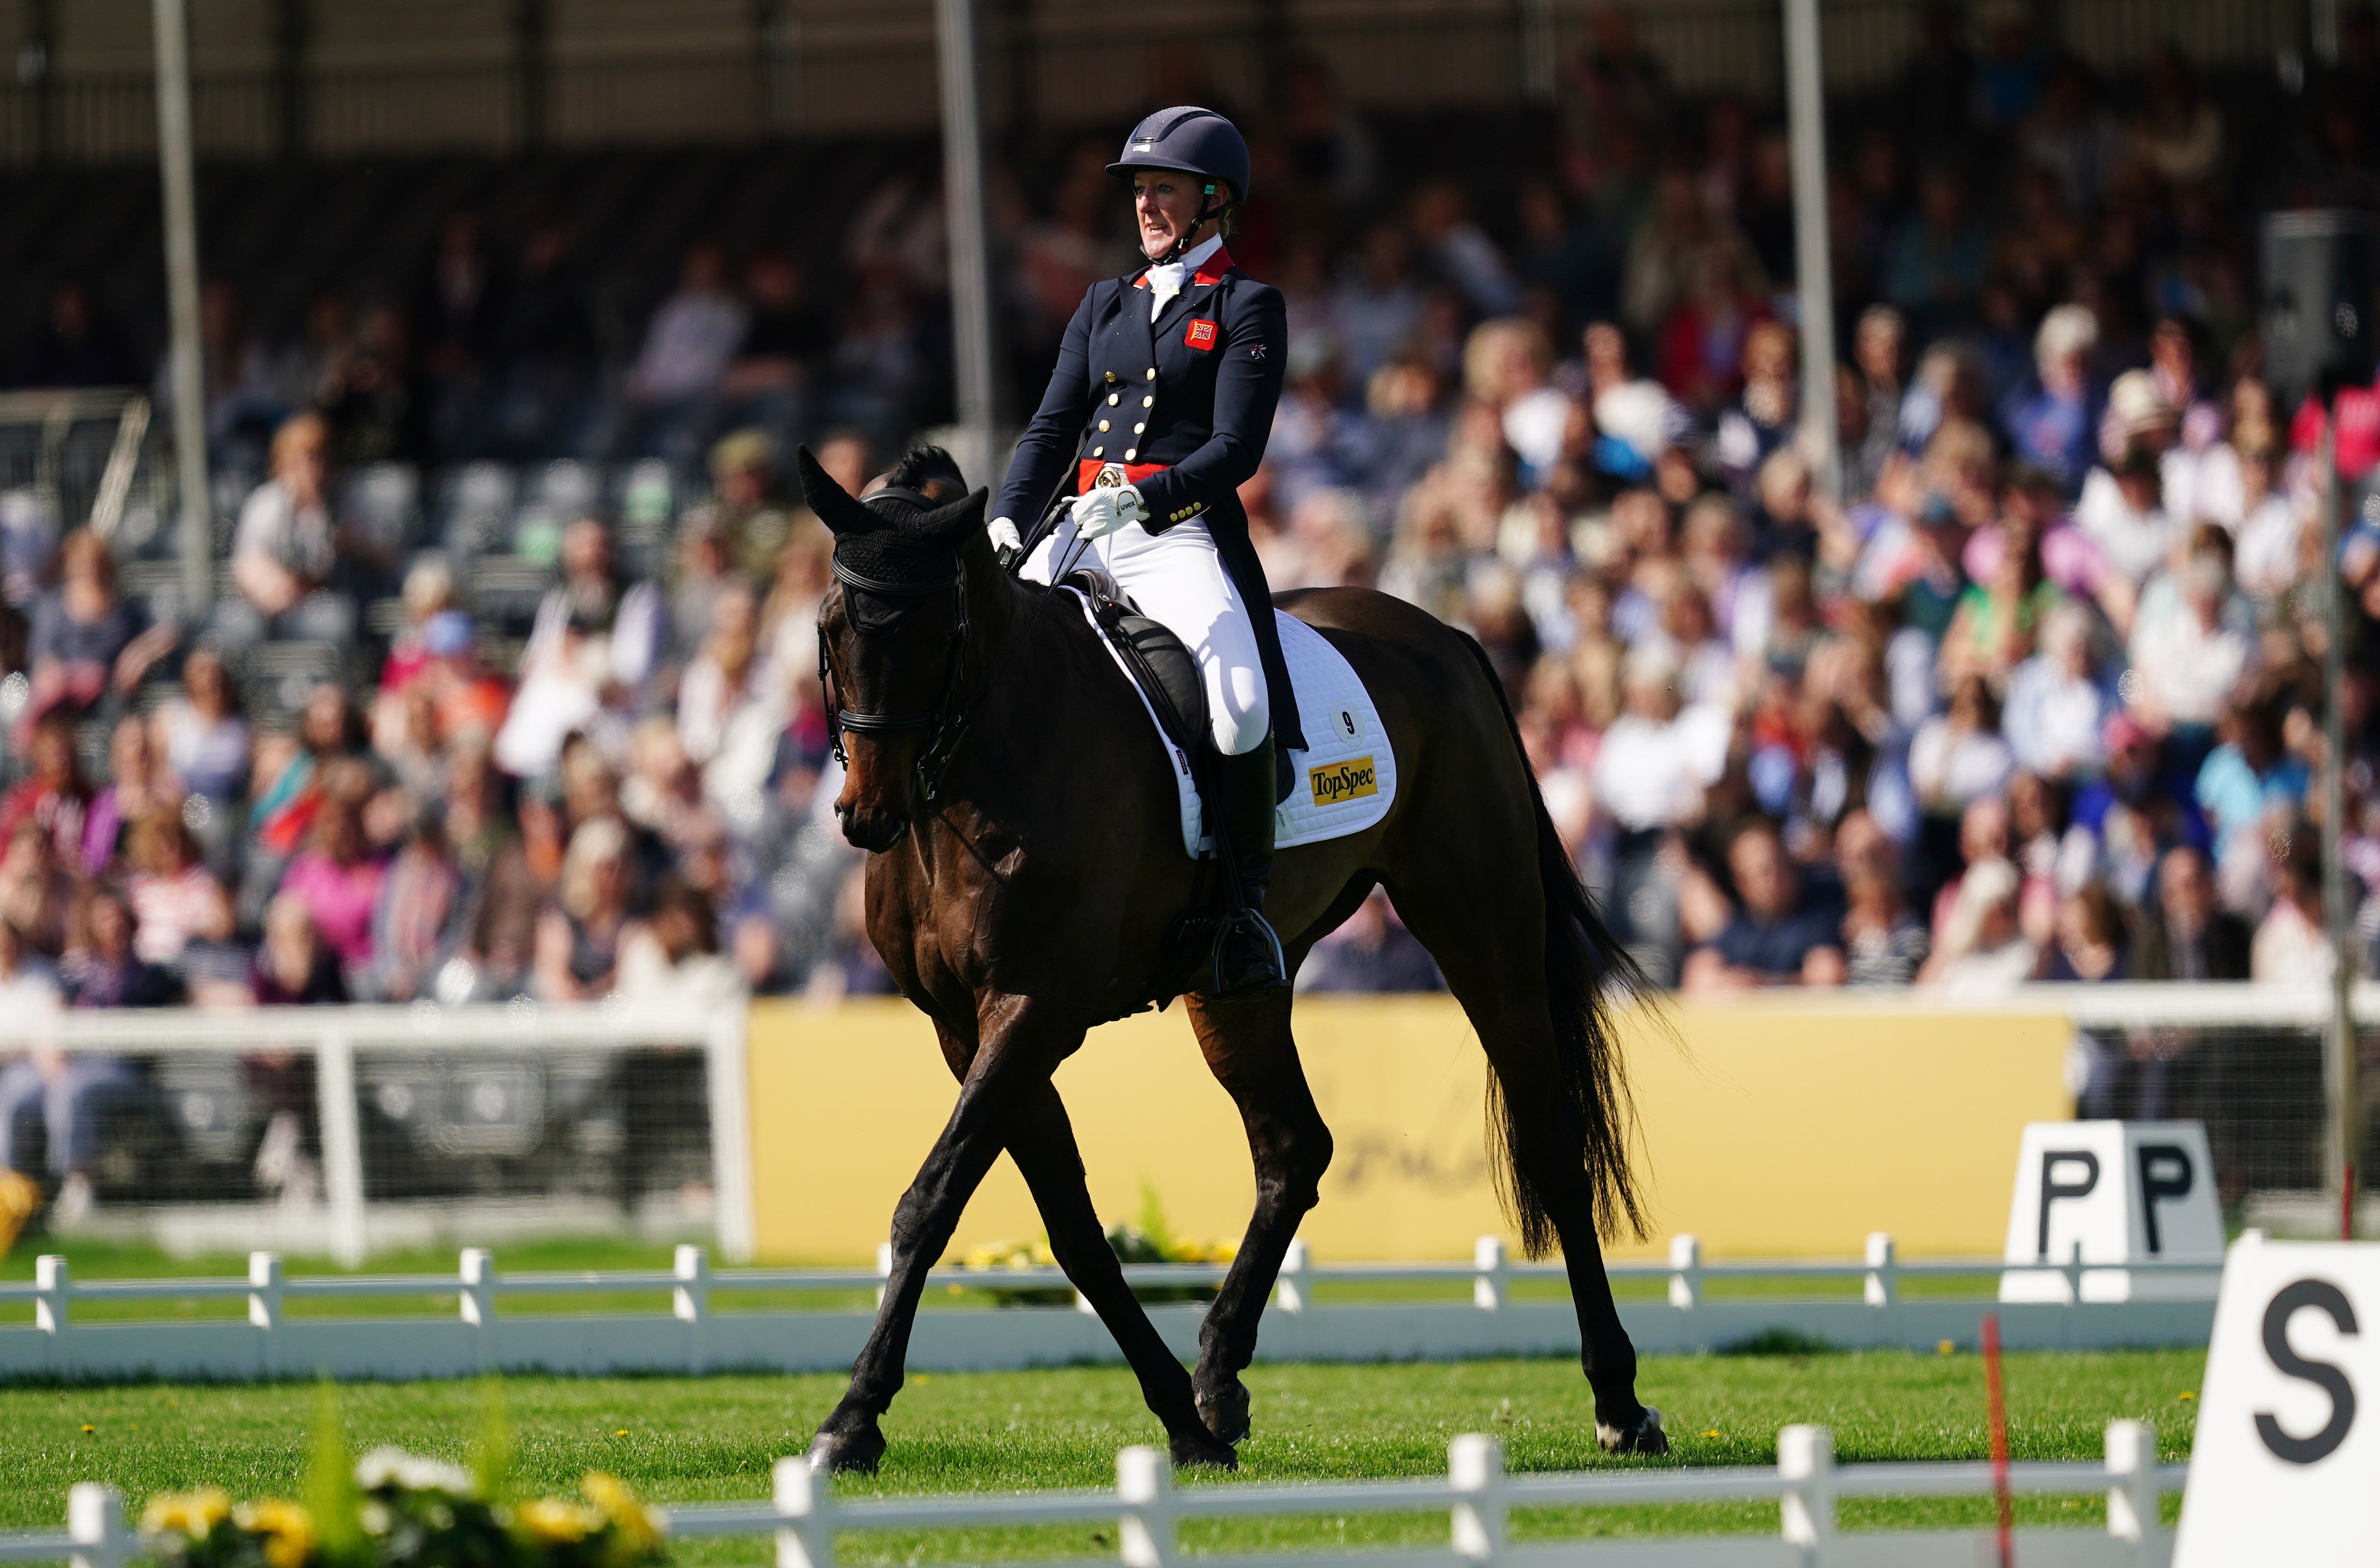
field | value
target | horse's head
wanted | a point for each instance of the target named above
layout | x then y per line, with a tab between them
893	629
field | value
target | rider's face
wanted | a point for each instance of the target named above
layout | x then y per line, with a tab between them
1165	203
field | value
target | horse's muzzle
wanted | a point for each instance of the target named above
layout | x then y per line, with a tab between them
874	832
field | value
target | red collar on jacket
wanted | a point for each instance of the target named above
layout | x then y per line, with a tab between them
1211	270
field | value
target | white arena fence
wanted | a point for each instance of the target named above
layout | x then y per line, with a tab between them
1478	1495
415	1124
694	1337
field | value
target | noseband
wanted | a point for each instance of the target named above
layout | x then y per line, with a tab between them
934	761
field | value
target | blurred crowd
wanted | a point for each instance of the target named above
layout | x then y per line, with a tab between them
2037	699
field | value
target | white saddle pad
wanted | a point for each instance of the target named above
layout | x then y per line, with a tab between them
1347	777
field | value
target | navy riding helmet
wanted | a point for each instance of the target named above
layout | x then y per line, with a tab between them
1192	141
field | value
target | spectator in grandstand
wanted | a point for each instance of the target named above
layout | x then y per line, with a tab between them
689	344
786	336
745	499
287	551
201	734
53	796
2072	137
2250	786
672	957
2053	423
36	890
1774	935
2292	945
103	966
136	787
89	642
2187	660
2058	707
2091	946
1883	944
578	934
176	900
1373	952
415	913
295	967
2178	134
1983	949
336	877
71	1091
75	345
2184	934
732	706
371	397
544	344
595	634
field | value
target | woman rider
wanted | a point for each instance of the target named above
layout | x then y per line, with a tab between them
1159	410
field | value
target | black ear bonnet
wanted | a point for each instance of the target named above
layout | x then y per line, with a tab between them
894	550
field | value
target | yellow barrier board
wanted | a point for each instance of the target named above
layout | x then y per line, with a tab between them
1765	1128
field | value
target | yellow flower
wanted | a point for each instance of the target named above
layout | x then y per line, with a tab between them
1945	1346
186	1514
2185	1394
1712	1433
287	1529
549	1521
639	1529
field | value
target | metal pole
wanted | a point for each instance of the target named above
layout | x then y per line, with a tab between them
173	47
2339	1041
970	244
1806	107
1538	49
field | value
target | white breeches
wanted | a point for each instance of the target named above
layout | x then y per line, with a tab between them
1178	580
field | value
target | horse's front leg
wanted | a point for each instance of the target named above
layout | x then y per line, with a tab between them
1020	1048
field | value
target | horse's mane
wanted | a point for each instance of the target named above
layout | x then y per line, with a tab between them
923	467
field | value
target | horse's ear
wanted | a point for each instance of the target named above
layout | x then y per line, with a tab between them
834	505
948	524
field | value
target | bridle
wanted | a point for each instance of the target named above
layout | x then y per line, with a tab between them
950	718
945	720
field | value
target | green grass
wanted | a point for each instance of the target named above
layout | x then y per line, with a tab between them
681	1439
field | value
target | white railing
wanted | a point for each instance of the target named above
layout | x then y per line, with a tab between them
1478	1493
694	1337
335	1036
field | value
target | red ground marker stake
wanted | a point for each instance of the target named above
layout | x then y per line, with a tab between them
1995	1416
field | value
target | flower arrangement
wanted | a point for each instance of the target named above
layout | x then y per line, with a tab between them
1150	1240
397	1510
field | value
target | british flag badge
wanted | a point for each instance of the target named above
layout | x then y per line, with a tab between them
1200	335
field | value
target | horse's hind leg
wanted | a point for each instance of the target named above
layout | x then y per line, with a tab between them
1042	1144
1491	947
1247	1046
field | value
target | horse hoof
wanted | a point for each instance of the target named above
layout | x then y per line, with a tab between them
1226	1412
1645	1436
1200	1446
845	1454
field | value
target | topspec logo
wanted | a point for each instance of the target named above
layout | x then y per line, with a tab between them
1350	780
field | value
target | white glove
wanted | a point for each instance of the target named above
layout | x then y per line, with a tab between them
1004	535
1102	511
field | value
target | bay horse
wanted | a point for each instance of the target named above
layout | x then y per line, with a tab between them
1025	868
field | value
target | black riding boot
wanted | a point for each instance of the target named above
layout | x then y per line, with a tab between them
1247	954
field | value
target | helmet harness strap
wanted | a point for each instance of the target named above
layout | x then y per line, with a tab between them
1208	208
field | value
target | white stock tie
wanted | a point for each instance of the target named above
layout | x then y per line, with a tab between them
1165	281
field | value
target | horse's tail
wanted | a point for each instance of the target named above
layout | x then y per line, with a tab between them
1587	972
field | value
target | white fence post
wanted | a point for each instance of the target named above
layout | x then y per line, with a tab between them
2132	1498
1144	1488
53	1285
1685	1272
1488	1287
1882	1285
1475	1465
1806	1463
731	1133
690	1302
265	1282
478	1301
805	1499
1288	1285
884	1268
96	1525
343	1145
